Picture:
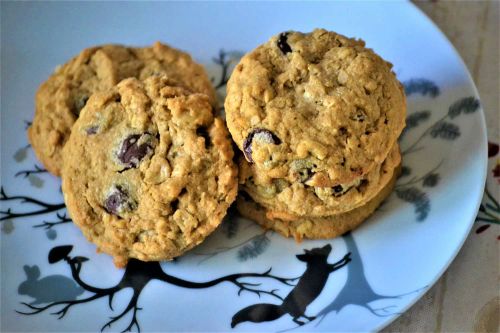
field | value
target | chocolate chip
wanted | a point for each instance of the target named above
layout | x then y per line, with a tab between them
92	130
283	44
338	189
264	135
202	131
118	201
131	152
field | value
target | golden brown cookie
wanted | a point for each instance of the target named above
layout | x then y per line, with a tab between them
312	227
317	101
148	170
297	198
59	99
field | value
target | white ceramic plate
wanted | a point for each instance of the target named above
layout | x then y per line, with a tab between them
396	256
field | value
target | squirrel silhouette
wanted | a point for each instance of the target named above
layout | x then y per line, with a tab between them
52	288
309	286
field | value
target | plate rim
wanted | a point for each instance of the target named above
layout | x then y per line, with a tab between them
482	151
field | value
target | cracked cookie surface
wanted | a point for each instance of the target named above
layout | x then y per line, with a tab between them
297	198
60	99
148	170
319	99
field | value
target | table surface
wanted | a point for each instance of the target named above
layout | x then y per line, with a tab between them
466	298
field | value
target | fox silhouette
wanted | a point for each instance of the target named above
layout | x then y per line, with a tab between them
309	286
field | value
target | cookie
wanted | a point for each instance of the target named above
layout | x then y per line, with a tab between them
312	227
148	170
60	99
300	199
319	100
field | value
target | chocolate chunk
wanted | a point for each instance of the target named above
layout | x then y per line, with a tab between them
118	201
338	189
283	44
263	135
131	152
92	130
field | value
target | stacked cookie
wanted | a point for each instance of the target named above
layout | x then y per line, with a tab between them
317	117
147	166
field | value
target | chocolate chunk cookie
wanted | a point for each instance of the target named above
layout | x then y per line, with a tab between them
298	198
148	170
318	100
60	99
301	227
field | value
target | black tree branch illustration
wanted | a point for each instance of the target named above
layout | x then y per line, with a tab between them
61	219
26	173
41	206
137	275
224	62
